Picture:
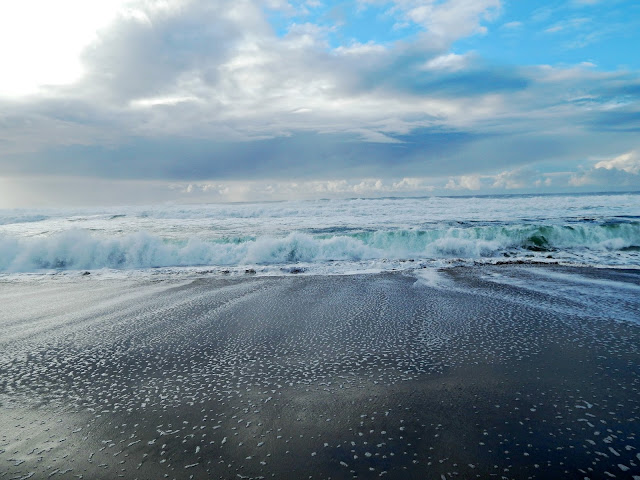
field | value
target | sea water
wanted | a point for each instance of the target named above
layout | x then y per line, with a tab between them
324	236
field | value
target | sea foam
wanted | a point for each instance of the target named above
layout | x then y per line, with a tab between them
82	249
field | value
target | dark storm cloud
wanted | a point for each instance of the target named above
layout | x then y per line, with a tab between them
620	120
301	155
409	76
479	82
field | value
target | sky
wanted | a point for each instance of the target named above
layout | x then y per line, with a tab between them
149	101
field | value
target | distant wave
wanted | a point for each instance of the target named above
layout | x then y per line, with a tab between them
79	249
11	219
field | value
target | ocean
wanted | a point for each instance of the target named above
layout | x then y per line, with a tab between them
324	236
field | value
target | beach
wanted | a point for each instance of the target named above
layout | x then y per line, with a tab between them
485	371
271	239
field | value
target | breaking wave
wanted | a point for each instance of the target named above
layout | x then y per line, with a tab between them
79	249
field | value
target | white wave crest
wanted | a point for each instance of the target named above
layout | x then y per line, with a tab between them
80	249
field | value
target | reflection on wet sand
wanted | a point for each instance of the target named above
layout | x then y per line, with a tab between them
505	371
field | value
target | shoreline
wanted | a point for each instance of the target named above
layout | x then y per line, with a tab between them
509	370
213	273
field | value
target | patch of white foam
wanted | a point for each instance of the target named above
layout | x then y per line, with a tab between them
581	279
431	277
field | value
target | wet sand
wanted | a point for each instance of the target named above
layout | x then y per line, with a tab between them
476	372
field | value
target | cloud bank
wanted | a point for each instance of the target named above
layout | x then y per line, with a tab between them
279	94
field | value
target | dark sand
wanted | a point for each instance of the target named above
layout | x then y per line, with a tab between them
480	372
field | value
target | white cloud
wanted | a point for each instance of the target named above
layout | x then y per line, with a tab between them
414	184
628	162
252	190
377	137
361	49
158	101
512	25
443	21
570	24
450	62
521	179
513	179
605	179
465	182
449	20
547	182
620	171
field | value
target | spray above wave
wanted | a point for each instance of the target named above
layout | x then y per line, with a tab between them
79	249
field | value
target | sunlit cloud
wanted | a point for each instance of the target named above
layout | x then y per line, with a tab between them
41	42
627	162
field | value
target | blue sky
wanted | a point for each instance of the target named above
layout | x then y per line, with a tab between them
605	34
518	32
141	101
